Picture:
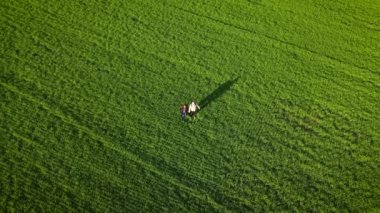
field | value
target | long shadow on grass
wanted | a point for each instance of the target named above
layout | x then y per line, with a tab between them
223	88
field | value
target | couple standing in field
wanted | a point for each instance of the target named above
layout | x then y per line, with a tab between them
192	110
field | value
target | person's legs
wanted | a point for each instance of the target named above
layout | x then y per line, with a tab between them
183	116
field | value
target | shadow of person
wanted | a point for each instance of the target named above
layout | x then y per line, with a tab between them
223	88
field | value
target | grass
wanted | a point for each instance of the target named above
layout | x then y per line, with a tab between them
90	95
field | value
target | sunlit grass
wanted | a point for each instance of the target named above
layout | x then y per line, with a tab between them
90	95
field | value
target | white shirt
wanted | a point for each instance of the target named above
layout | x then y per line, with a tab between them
193	107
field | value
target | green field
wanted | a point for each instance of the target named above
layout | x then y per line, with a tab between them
90	93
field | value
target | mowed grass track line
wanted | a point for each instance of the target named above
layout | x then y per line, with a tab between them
90	95
107	150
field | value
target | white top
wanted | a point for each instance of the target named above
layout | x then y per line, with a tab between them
193	107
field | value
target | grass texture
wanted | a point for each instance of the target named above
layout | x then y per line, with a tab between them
90	93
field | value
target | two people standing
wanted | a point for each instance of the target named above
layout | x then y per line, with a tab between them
192	109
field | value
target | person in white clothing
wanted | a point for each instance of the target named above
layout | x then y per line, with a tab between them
193	107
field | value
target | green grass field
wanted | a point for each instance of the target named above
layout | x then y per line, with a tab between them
90	93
